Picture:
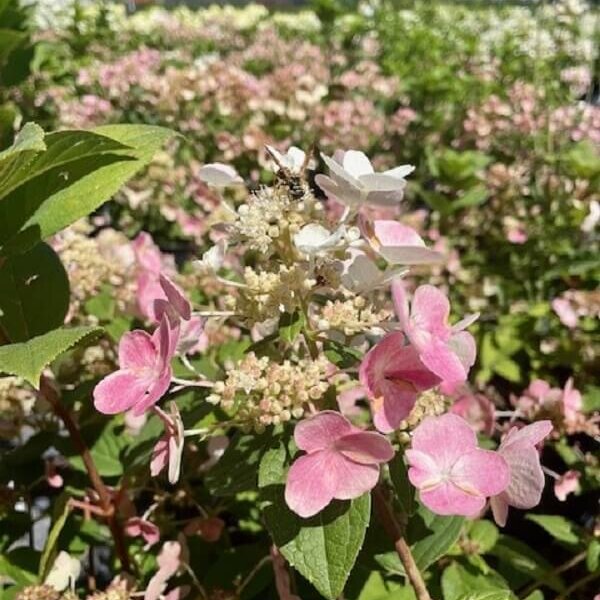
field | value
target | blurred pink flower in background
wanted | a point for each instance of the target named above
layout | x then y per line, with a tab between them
566	484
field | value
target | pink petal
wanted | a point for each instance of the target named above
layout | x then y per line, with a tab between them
423	470
526	476
160	456
430	310
154	393
401	303
137	351
147	252
365	447
176	297
392	233
482	472
398	400
447	499
165	338
149	291
311	483
353	479
566	484
530	435
463	345
410	255
457	436
119	392
441	360
499	509
321	430
538	388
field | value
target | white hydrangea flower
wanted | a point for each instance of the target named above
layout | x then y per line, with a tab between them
353	181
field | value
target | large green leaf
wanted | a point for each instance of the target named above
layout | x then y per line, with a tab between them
430	537
322	548
60	194
465	583
28	359
34	293
61	148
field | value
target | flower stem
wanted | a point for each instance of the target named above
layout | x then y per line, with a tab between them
393	528
106	500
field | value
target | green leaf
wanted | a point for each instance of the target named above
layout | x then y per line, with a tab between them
11	567
489	595
507	368
49	552
473	197
340	355
520	557
57	150
290	326
592	559
484	534
558	527
34	293
403	489
28	359
29	139
63	194
537	595
237	470
464	583
106	452
322	548
430	537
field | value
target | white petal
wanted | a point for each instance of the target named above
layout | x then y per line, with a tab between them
357	163
378	182
400	172
64	572
219	175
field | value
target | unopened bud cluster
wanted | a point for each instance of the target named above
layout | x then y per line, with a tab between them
259	392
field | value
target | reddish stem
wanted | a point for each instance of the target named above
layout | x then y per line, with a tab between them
105	497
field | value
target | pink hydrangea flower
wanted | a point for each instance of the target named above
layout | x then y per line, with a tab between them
397	243
446	350
572	403
147	253
145	372
169	561
566	313
341	462
477	410
453	475
566	484
139	527
526	482
392	374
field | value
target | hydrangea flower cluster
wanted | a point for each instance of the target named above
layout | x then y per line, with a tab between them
287	236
